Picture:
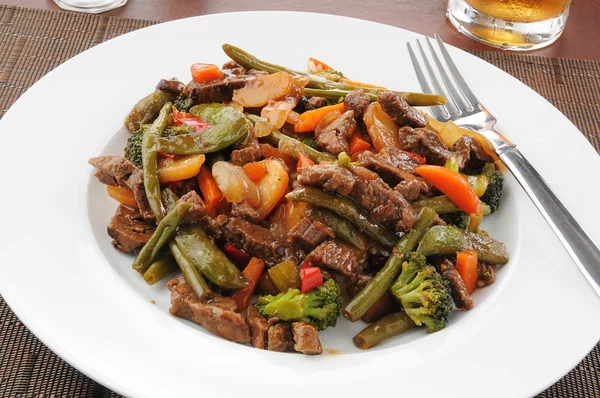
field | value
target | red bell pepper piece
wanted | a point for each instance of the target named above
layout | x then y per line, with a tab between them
311	278
188	119
240	258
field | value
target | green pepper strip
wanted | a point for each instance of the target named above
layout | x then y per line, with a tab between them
164	231
210	140
160	268
382	281
342	228
347	209
150	159
389	326
443	205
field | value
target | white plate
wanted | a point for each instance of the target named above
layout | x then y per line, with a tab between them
63	279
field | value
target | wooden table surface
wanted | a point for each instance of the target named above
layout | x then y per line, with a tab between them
581	38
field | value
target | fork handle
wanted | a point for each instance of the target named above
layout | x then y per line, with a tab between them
578	243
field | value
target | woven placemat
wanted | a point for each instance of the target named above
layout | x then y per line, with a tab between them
33	42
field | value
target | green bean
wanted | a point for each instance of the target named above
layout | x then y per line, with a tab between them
150	159
293	148
383	280
348	209
208	258
249	61
331	93
342	228
147	109
443	205
320	83
190	272
210	140
163	233
389	326
160	268
447	240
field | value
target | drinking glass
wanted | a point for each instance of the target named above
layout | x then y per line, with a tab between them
90	6
510	24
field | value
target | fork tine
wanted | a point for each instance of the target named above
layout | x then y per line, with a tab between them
450	105
460	81
439	113
454	95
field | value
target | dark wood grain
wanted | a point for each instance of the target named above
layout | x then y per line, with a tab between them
580	40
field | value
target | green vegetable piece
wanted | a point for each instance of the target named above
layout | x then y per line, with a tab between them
389	326
459	219
150	159
342	228
293	148
147	109
164	231
319	307
160	268
249	61
382	281
190	272
347	209
216	113
133	150
452	164
447	240
443	205
493	193
196	245
210	140
285	276
423	293
183	102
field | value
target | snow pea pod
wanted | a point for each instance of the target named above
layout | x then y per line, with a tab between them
147	109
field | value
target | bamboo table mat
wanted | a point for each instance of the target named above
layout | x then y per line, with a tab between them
33	42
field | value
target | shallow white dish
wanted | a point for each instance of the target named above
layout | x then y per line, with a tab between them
69	286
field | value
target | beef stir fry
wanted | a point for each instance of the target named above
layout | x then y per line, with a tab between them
287	199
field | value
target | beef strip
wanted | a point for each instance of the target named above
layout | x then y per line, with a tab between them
486	274
258	241
115	170
232	68
259	328
425	143
317	102
218	318
249	152
462	299
383	306
470	152
198	209
214	225
337	257
218	90
244	210
410	189
309	234
280	338
366	188
357	101
398	109
129	231
335	137
182	187
172	86
306	339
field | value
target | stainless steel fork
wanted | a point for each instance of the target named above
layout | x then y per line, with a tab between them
465	110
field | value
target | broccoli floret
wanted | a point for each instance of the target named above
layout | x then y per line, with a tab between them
423	293
319	307
493	193
183	103
133	150
459	219
171	131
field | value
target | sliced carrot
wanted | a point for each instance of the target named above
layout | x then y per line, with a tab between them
303	161
315	66
270	151
213	197
453	185
466	265
256	171
357	144
202	73
309	120
359	84
252	272
122	195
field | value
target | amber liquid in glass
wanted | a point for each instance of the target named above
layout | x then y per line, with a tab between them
520	10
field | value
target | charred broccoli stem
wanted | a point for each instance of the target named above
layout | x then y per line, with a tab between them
423	293
319	307
493	193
